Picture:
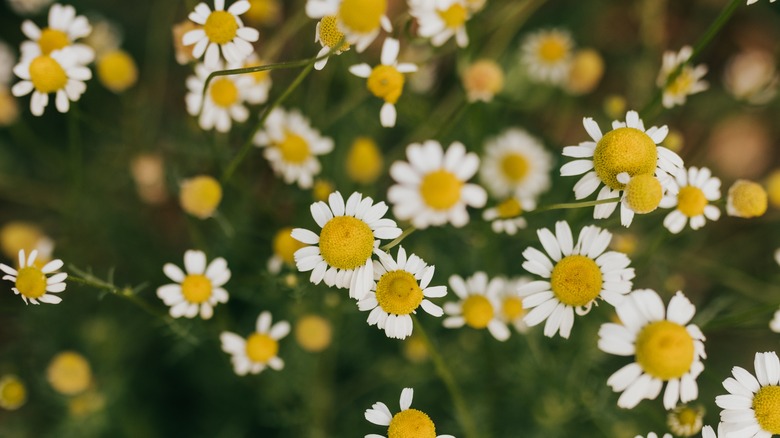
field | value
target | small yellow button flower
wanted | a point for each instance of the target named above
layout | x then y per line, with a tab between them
482	80
587	68
313	333
200	196
746	199
364	161
13	393
69	373
117	71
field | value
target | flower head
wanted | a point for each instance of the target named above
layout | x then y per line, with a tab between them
223	101
197	291
32	282
515	164
687	82
313	333
746	199
691	193
65	27
259	350
256	89
221	32
408	422
284	247
330	38
13	393
364	161
479	306
358	20
117	70
547	55
200	196
506	217
510	297
441	20
482	80
752	407
58	72
69	373
685	420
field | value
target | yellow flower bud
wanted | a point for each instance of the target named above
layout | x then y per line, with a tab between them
117	71
364	161
313	333
69	373
483	80
200	196
587	68
746	199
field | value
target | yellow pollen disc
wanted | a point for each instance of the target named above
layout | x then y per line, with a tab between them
477	311
515	167
624	150
285	246
576	280
398	293
313	333
364	161
454	16
748	199
200	196
223	92
440	189
411	423
512	308
31	282
553	48
385	82
664	350
52	39
766	403
69	373
362	16
196	288
13	393
691	201
47	75
346	242
644	193
221	27
509	209
117	71
294	148
330	35
261	348
683	83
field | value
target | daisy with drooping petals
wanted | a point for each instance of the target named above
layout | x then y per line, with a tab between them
616	157
407	423
515	164
341	253
691	194
506	217
547	55
664	347
402	285
752	407
199	290
221	31
578	275
291	146
259	350
386	81
58	72
32	283
329	36
687	82
479	306
358	20
223	102
440	20
431	187
64	28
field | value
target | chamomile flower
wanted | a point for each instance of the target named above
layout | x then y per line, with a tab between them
666	349
364	163
440	20
695	189
329	36
221	32
284	247
65	27
507	217
259	350
614	158
431	187
479	306
402	285
341	253
547	55
752	407
577	275
13	392
407	423
58	72
482	80
687	82
256	89
511	302
685	420
642	194
32	282
515	164
386	81
746	199
358	20
291	146
197	291
223	102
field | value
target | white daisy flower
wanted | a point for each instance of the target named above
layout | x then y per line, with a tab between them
199	290
341	253
28	7
614	158
59	73
431	187
547	54
506	216
255	91
259	350
686	83
402	285
409	422
751	407
31	281
479	306
665	349
329	35
223	102
577	276
642	194
511	297
440	20
691	194
65	27
386	81
291	146
221	32
515	164
358	20
685	420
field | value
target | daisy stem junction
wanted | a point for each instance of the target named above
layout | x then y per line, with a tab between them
567	205
398	239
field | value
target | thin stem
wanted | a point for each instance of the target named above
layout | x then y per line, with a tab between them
398	239
574	205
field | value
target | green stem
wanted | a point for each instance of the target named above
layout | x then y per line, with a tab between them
574	205
398	239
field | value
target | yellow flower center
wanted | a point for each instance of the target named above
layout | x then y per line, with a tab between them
330	35
313	333
364	161
440	189
362	16
69	373
387	83
682	84
477	311
509	209
664	350
685	420
749	199
624	150
196	288
200	196
691	201
261	348
223	92
398	293
454	16
52	39
47	75
576	280
346	242
553	48
512	308
285	246
117	71
31	282
294	148
515	167
12	393
644	193
766	403
221	27
411	423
